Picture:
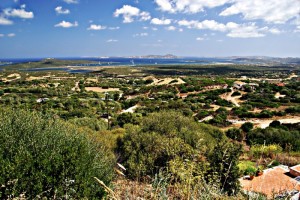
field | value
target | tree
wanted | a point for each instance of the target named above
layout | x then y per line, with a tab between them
235	134
247	126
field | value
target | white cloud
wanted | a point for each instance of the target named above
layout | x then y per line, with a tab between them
114	28
60	10
271	11
154	29
95	27
145	16
199	38
65	24
247	30
8	35
70	1
157	21
275	31
140	35
4	21
112	40
21	13
188	6
130	13
11	35
206	24
171	28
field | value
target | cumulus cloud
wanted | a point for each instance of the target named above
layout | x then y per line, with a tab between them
70	1
4	21
60	10
271	11
112	40
144	16
275	31
1	35
95	27
188	6
65	24
246	30
206	24
171	28
157	21
21	13
130	13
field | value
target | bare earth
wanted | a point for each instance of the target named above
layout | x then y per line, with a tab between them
99	89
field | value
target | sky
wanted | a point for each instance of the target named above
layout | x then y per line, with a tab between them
202	28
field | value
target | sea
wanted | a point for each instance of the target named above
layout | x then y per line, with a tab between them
118	61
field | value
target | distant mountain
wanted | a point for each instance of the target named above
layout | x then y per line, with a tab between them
267	60
167	56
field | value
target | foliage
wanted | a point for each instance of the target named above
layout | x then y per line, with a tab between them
278	136
244	166
92	123
250	171
247	126
265	151
45	157
224	166
162	138
128	118
235	134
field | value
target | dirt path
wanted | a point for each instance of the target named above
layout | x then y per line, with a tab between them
130	110
235	100
99	89
278	95
76	87
264	123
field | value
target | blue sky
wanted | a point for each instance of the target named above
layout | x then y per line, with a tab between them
204	28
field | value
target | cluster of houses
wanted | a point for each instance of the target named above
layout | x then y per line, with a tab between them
277	182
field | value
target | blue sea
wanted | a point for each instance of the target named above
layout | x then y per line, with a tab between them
117	61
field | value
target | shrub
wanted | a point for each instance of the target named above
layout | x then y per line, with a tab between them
92	123
163	138
236	93
265	151
45	157
247	126
235	134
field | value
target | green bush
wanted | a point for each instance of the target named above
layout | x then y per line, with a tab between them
45	157
247	126
92	123
235	134
163	138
